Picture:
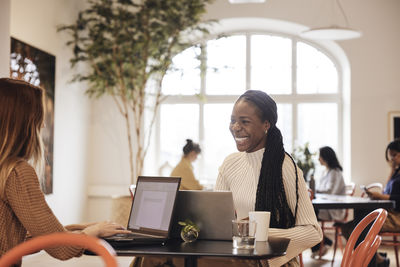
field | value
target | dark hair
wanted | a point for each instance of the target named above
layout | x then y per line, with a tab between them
394	145
329	156
271	194
190	146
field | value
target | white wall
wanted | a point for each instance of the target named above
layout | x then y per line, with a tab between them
4	38
35	22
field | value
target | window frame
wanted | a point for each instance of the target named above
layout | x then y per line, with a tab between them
294	98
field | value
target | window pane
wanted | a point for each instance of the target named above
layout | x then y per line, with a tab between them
218	141
318	125
178	122
184	77
316	72
285	125
226	66
271	64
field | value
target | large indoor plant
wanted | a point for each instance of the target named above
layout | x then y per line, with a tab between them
305	160
125	45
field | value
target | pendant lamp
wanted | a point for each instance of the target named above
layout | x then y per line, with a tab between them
246	1
333	32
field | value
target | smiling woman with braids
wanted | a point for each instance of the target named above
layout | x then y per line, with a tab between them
263	177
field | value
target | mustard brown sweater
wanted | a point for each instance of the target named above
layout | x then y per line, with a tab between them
184	169
24	209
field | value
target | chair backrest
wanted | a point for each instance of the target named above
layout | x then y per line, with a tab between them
311	193
350	189
361	255
96	245
132	189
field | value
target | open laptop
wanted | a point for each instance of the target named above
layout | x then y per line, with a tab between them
212	212
151	212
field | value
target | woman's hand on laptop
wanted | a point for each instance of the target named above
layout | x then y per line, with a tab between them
104	229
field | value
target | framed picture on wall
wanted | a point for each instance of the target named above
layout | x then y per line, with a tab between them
394	125
37	67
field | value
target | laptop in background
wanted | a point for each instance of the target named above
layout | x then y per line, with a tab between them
151	212
211	211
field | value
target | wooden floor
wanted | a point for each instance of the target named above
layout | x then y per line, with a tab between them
326	260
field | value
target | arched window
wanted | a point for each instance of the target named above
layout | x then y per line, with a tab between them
302	77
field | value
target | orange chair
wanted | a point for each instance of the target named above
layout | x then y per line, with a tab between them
132	189
350	190
98	246
361	255
394	242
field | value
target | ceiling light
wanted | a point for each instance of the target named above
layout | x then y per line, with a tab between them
333	32
246	1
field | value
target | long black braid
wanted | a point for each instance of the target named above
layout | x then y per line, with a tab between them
271	194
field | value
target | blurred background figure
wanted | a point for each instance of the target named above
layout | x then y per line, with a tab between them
392	192
331	182
184	169
392	188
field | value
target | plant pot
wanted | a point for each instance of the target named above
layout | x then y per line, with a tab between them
189	236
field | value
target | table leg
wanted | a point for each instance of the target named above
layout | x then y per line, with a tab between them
191	261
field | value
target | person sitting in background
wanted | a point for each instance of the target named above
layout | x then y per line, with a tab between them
392	189
391	192
184	169
331	183
23	208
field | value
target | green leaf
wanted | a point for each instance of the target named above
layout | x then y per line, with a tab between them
126	43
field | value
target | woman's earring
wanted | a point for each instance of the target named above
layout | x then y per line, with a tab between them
266	132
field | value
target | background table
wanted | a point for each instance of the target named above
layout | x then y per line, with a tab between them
361	206
206	248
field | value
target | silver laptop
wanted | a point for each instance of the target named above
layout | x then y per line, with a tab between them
213	212
151	212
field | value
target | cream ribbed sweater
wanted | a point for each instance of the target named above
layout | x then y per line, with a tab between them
239	173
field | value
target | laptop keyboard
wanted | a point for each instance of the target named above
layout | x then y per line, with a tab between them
130	236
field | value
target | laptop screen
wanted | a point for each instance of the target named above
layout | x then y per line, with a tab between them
153	205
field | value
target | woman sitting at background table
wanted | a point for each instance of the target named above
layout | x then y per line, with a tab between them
184	169
392	189
23	208
331	183
263	177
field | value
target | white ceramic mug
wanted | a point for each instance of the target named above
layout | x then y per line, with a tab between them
262	219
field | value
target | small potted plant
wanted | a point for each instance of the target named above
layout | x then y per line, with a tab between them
190	231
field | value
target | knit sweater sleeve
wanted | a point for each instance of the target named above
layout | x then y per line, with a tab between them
27	201
306	232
